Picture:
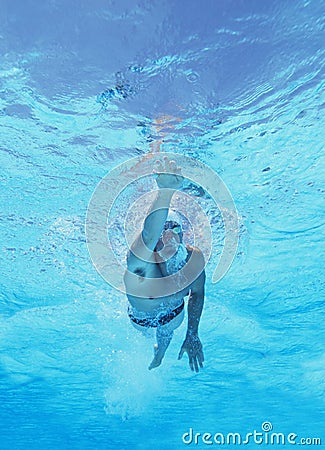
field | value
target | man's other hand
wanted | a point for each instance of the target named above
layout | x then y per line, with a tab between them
193	347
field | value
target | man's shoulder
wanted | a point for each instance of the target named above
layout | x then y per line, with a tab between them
195	253
197	265
197	269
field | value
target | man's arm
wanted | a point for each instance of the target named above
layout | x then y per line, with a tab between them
153	225
192	344
154	222
195	305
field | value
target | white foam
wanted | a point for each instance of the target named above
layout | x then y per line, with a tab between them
132	389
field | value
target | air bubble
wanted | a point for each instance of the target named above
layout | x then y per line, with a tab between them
192	77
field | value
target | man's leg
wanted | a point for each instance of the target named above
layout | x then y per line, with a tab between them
163	336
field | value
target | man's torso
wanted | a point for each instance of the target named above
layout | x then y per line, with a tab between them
146	292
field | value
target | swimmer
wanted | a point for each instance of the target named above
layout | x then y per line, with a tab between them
158	252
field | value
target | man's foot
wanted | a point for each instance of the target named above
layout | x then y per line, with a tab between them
157	358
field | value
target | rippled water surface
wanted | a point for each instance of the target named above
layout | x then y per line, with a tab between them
84	87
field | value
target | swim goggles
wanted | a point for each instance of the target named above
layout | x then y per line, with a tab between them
173	226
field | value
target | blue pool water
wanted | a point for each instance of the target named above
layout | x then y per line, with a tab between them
238	86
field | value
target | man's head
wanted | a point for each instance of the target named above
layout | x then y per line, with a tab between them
172	228
171	236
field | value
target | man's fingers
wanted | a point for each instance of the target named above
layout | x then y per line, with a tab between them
194	361
181	353
193	364
173	166
159	166
200	357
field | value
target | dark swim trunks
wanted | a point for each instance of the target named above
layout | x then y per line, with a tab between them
157	321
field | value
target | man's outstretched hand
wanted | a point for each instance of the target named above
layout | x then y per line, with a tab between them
168	174
193	347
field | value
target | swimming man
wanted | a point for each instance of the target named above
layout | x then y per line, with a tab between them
158	252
